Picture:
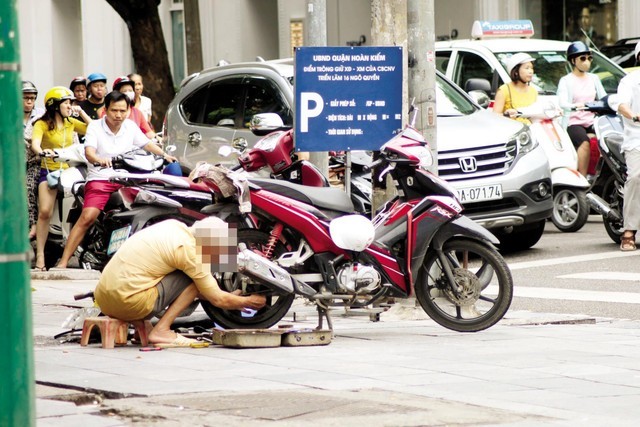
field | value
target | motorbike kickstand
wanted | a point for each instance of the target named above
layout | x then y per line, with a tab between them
323	312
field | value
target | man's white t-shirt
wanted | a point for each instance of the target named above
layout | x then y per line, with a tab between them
108	144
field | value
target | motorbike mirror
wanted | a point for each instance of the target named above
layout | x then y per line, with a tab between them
264	123
170	149
225	151
240	144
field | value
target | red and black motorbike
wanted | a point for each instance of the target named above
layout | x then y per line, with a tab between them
307	241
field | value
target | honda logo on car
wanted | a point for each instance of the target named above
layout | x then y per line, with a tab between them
468	164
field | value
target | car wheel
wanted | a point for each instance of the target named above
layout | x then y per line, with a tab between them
522	237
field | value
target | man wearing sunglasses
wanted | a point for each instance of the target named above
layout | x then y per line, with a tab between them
627	101
574	91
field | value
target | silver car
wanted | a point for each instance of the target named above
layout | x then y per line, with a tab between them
213	107
501	174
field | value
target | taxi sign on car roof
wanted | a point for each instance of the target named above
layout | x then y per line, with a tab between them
515	28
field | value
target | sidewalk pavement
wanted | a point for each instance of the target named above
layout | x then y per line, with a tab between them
531	369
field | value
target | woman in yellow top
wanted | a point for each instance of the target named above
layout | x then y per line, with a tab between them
517	93
53	130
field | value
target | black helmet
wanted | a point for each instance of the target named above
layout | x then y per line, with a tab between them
80	80
28	87
577	49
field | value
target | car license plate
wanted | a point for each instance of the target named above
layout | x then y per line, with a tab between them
118	237
480	194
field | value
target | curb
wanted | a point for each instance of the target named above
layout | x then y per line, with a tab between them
66	274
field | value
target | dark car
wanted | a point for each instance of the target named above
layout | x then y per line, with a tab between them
621	52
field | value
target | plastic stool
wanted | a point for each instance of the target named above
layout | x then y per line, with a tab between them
115	331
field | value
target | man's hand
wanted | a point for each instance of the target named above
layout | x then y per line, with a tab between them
254	301
105	162
169	158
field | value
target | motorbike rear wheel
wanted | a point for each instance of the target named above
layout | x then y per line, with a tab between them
483	283
570	209
611	195
277	306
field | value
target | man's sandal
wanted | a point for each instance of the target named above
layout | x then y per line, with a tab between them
628	243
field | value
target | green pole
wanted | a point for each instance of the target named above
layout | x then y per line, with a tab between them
17	387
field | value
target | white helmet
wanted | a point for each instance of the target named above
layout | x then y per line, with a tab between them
517	59
352	232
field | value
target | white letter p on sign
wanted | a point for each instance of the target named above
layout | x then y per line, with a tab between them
305	112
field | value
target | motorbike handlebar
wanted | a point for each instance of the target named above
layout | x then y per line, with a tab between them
375	164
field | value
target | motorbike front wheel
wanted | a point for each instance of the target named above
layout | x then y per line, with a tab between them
482	287
570	209
277	305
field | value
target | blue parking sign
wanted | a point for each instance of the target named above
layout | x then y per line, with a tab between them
347	98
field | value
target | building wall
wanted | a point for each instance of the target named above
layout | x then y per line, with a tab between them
346	22
628	18
61	39
453	15
238	31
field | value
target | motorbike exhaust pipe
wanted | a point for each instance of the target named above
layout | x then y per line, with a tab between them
603	207
268	273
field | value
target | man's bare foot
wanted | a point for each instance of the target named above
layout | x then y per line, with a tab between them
162	337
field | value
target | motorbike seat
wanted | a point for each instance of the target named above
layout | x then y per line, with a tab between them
115	201
328	198
614	142
166	180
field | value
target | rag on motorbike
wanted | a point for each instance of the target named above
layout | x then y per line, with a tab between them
570	206
307	241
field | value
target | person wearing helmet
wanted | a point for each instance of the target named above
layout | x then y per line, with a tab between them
79	88
627	102
125	85
574	91
517	93
97	89
175	270
108	137
30	114
53	130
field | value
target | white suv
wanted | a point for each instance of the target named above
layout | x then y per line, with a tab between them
478	64
502	176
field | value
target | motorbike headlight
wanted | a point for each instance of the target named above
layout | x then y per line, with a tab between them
525	141
269	142
422	152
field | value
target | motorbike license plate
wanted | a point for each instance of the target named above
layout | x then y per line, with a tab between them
480	194
118	237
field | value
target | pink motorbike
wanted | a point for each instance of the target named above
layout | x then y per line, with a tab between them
307	241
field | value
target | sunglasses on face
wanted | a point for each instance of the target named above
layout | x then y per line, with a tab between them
29	98
584	58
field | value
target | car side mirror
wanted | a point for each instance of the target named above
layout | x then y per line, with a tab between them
481	98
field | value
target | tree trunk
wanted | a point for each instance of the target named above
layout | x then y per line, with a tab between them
149	51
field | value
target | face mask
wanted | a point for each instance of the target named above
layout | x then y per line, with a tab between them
130	95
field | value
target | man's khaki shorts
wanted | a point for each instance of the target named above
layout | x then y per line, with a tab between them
170	288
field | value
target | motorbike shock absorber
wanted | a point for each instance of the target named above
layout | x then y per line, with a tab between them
274	236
